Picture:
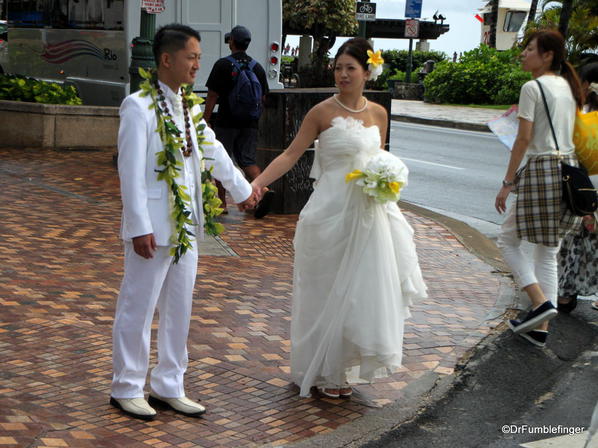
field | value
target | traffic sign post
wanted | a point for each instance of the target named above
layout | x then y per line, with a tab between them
412	28
413	9
365	11
153	6
411	31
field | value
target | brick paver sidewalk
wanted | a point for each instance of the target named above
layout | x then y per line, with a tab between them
60	270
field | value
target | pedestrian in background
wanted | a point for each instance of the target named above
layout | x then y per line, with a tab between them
239	107
539	214
578	257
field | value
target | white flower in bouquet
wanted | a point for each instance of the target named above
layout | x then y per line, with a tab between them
383	177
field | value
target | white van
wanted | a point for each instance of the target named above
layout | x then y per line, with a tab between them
88	42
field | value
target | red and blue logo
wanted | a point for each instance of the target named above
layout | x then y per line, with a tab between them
70	49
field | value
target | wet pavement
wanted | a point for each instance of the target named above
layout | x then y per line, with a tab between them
60	271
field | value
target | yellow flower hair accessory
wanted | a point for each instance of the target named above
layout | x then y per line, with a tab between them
375	62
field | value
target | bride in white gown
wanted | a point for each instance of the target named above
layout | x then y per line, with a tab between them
356	270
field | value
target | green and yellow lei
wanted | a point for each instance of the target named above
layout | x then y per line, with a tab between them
172	140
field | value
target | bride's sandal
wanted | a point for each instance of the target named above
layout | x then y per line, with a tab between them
345	391
330	392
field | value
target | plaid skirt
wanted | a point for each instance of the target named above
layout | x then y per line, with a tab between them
541	213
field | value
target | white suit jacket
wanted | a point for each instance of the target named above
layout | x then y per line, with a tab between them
146	200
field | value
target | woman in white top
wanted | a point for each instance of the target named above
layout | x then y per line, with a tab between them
539	214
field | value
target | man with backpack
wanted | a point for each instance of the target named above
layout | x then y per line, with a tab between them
238	83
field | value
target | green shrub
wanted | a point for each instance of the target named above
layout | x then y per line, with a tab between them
482	76
397	59
21	88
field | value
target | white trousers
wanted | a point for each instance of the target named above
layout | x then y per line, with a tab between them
542	269
147	283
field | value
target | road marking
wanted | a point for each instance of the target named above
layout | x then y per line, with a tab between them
432	163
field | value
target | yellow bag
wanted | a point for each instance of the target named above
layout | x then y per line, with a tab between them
585	139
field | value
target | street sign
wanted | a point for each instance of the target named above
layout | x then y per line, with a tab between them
153	6
412	28
366	11
413	9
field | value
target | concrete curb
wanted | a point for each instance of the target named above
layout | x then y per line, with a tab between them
442	123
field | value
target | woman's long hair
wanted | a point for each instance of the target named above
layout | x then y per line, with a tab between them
552	40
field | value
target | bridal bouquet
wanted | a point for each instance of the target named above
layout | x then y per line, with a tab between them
383	177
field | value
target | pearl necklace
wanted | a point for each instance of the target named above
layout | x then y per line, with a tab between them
355	111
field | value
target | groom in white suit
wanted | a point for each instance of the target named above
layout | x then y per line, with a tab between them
151	276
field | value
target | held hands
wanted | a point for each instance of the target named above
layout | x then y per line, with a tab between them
255	197
258	191
145	245
251	201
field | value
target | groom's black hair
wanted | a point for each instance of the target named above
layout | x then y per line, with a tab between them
171	38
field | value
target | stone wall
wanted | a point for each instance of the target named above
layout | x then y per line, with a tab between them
280	122
36	125
408	91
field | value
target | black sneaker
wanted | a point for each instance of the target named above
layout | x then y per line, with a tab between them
263	208
543	313
536	337
569	306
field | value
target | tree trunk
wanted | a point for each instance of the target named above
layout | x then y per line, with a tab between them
565	16
532	12
493	24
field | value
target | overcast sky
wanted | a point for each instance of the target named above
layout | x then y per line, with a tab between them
464	33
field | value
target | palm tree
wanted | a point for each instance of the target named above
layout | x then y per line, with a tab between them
582	26
532	12
566	11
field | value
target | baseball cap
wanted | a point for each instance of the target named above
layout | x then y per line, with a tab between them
239	34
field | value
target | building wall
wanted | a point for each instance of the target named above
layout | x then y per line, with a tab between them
504	40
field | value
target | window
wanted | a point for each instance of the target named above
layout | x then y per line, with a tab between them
513	21
81	14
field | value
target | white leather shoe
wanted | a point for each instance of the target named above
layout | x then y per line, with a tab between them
182	405
135	407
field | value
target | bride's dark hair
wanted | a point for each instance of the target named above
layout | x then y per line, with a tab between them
357	48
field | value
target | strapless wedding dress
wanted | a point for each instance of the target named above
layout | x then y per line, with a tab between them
356	271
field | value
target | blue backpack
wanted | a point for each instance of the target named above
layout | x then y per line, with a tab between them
245	100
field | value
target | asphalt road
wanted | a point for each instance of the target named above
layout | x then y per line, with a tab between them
512	394
453	172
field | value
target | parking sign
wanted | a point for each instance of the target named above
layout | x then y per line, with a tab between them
411	28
